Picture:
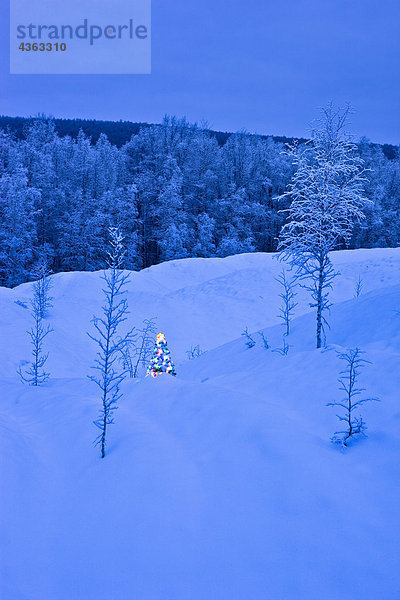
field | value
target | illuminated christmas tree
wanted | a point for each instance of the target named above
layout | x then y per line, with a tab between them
161	361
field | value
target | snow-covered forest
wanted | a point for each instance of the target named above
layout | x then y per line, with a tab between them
174	191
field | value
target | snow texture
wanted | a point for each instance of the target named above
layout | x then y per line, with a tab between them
220	483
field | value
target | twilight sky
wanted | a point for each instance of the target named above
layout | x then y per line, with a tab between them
260	65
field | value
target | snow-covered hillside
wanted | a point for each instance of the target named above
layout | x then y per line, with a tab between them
221	483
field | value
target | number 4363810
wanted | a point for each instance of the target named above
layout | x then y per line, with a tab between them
42	47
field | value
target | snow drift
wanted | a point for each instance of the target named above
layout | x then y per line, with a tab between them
220	483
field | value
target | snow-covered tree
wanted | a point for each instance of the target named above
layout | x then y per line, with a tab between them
107	338
326	195
136	353
288	296
127	353
172	245
350	403
205	226
17	227
35	373
145	345
41	272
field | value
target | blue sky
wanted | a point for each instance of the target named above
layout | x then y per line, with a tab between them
263	66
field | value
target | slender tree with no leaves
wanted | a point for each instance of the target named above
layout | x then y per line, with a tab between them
145	346
288	295
358	287
351	401
326	195
41	272
110	344
136	353
249	341
35	374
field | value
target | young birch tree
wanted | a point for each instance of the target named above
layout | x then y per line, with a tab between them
326	195
41	272
110	344
35	374
350	403
145	347
137	352
288	296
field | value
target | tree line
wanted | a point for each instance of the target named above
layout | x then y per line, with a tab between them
173	190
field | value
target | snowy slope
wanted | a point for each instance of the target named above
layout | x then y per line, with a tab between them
202	301
221	483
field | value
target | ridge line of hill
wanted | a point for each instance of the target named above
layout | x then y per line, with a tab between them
120	132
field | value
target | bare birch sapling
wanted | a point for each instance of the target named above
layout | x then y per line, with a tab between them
114	312
351	401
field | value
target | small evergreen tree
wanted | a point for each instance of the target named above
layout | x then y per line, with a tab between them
161	361
115	311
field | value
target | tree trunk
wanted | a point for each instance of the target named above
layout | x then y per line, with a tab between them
103	437
320	287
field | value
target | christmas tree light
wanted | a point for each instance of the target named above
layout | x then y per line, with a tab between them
161	361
